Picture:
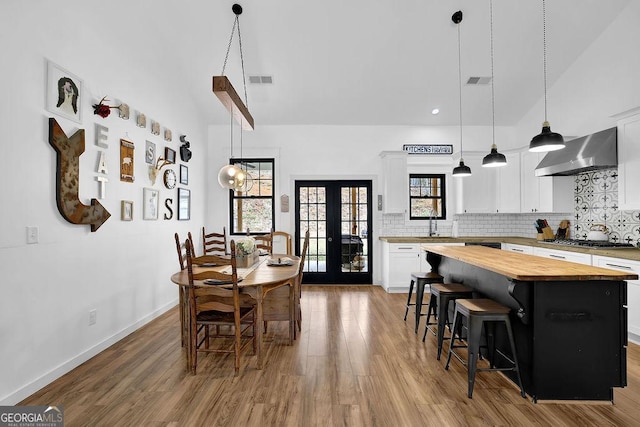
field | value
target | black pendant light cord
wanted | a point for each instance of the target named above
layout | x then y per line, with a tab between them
544	55
493	108
460	86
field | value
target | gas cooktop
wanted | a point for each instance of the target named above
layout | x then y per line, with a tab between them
596	244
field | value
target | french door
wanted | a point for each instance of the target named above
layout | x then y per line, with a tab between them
339	218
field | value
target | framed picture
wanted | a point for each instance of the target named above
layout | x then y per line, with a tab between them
151	198
168	135
126	210
169	155
126	160
64	93
184	204
184	175
141	120
149	152
155	127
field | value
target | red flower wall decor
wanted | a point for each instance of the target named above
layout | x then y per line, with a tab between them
103	110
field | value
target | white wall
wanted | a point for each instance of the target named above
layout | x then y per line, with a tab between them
602	82
122	270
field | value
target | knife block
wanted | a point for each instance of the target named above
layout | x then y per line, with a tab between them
547	234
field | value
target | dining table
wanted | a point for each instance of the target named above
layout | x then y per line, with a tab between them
257	280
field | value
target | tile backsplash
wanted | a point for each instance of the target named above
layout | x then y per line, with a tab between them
596	202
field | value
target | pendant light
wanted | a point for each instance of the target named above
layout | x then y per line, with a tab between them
462	169
493	159
546	140
231	176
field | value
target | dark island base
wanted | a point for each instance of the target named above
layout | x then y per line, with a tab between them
570	335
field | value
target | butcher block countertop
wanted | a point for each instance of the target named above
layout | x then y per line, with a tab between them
630	254
524	267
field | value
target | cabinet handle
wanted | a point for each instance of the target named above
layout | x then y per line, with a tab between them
557	256
400	247
517	250
618	266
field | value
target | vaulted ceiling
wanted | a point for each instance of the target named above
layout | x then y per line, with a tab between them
380	62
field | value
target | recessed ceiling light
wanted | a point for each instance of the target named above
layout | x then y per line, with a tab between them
435	111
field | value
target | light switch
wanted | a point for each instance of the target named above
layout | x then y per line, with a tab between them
32	235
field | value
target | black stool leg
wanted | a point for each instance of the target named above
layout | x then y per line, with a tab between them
433	306
406	311
474	335
515	357
442	321
419	296
457	327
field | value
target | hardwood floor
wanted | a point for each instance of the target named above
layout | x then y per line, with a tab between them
356	363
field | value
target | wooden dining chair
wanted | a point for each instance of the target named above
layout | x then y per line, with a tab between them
182	259
222	306
281	242
214	243
298	285
264	242
276	303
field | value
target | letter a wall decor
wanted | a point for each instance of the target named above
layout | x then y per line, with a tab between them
68	151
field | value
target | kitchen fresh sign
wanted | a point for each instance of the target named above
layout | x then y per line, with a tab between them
428	148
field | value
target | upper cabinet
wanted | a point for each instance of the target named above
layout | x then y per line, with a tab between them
546	193
478	190
629	162
508	185
395	182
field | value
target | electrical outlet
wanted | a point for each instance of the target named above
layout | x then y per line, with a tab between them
32	235
93	317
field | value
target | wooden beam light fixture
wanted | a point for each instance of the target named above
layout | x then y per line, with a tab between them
225	92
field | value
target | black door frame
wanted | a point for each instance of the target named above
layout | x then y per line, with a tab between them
334	273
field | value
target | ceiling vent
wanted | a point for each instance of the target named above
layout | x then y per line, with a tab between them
261	80
479	80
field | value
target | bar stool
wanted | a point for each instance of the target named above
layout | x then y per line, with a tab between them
420	279
441	295
479	312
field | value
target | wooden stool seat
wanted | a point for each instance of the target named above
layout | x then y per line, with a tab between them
441	295
420	279
479	313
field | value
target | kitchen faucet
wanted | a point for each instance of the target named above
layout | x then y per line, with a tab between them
433	227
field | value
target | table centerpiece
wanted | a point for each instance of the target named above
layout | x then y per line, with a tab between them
246	252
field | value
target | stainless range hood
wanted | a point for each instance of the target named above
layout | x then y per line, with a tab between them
591	152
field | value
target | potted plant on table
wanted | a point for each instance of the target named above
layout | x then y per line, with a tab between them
246	253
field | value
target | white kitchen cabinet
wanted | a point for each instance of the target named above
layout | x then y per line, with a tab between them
545	193
395	182
563	255
399	260
633	290
629	162
508	185
478	191
521	249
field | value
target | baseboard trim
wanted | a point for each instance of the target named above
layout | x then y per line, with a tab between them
32	387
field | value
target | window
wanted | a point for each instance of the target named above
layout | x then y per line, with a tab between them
427	196
252	207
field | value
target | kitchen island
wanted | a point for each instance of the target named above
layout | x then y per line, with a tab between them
569	320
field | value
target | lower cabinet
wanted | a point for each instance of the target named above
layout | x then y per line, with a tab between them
399	260
633	290
563	255
521	249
